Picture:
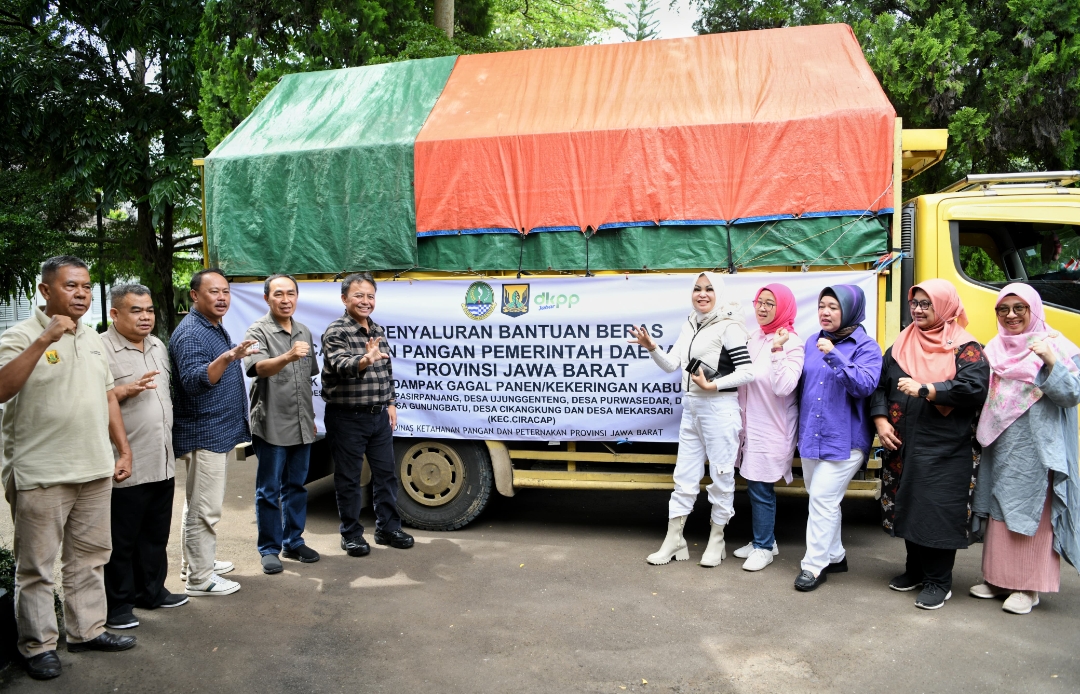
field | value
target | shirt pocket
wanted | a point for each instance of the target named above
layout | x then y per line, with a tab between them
285	375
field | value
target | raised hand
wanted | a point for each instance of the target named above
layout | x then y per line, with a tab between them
780	338
372	351
642	337
1044	350
241	350
299	350
825	345
58	325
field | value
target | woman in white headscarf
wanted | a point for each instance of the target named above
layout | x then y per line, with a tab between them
711	350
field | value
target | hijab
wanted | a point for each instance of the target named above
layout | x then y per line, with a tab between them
1014	367
928	354
852	309
785	309
725	308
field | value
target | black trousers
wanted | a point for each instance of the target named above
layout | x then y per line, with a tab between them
350	435
930	564
141	519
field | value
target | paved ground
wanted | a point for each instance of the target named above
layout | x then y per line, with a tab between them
549	592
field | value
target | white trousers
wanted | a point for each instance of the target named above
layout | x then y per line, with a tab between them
710	429
826	481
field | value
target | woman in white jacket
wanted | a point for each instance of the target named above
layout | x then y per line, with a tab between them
714	335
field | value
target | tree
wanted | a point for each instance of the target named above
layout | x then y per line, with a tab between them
246	46
1002	75
640	25
550	23
103	94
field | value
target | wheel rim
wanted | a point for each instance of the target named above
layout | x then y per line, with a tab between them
432	473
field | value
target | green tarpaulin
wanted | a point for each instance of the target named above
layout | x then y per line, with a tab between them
819	241
319	178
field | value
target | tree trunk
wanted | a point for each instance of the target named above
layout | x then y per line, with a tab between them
444	16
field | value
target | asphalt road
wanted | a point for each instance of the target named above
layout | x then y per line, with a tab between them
549	592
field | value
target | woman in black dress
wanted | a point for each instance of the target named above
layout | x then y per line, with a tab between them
933	383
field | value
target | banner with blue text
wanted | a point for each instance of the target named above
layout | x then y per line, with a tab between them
537	359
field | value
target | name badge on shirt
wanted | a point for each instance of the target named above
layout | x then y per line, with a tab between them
52	356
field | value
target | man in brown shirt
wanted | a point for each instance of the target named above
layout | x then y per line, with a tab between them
142	504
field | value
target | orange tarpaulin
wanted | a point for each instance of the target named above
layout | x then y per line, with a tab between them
706	129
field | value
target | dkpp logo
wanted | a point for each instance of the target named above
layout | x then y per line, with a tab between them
548	300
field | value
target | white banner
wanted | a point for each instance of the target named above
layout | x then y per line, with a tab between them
540	359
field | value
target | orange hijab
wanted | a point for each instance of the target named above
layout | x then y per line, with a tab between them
928	355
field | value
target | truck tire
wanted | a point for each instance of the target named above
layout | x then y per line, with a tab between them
443	485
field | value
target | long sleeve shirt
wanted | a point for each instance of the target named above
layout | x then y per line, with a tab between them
834	404
206	416
343	382
716	344
770	409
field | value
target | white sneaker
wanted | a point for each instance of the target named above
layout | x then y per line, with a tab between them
220	567
1021	602
744	552
215	586
758	560
986	591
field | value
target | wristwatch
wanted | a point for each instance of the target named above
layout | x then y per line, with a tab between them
924	392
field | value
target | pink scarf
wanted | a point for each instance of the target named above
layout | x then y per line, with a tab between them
785	308
1014	367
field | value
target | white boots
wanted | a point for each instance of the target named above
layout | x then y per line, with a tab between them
674	546
714	551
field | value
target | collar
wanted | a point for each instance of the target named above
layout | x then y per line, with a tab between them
44	321
268	319
372	325
118	342
203	319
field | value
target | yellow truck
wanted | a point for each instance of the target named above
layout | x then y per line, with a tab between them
485	191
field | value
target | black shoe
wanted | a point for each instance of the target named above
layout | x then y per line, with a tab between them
837	567
303	553
271	564
126	620
398	539
356	547
806	581
104	642
43	666
903	583
932	596
174	600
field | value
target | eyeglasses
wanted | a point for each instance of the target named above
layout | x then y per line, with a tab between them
1019	309
764	304
923	304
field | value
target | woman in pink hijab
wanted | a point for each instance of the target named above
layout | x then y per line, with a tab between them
1028	492
770	416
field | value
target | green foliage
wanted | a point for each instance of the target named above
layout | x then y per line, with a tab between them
978	265
103	94
524	24
35	215
640	25
1002	75
245	46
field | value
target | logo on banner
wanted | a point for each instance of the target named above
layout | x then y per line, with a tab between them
479	301
515	300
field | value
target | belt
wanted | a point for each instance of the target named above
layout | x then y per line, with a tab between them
365	409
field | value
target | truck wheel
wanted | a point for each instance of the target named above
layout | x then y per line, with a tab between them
443	485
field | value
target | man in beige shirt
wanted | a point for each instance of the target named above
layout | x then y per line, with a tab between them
142	504
58	467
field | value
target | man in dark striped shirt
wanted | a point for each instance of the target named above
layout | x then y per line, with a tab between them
361	415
